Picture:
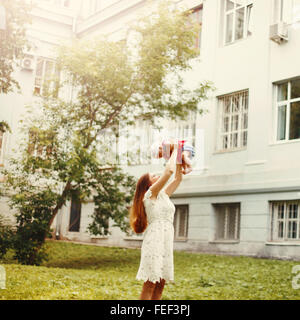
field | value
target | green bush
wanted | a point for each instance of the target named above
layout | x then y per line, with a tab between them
6	235
33	216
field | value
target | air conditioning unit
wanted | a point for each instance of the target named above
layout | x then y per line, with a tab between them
28	63
279	32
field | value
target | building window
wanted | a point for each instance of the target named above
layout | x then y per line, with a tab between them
285	222
196	17
233	121
286	11
139	139
288	110
227	221
75	214
185	129
126	145
181	222
279	11
296	11
2	138
238	18
46	77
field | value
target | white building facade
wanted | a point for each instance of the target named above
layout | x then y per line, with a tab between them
243	197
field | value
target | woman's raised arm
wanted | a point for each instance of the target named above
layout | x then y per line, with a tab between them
176	182
170	168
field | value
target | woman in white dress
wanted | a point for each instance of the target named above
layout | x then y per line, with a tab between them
153	212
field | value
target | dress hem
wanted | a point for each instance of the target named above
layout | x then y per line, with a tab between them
154	280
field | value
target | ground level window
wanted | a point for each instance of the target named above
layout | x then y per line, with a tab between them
285	221
181	222
227	221
75	214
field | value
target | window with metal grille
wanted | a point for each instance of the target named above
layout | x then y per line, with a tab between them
288	110
238	19
181	222
285	222
185	129
136	146
75	214
46	77
227	221
233	121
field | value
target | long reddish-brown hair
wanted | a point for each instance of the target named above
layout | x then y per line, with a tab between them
137	216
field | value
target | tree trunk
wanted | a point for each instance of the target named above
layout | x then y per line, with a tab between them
60	203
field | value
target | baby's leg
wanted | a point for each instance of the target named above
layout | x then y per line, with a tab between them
186	162
186	157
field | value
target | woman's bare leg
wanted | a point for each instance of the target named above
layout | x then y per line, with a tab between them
157	292
147	291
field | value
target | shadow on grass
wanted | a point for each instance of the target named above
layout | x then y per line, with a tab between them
80	256
92	263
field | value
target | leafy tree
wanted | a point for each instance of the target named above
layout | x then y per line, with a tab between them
116	83
12	41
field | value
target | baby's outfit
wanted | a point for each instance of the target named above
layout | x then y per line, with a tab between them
182	146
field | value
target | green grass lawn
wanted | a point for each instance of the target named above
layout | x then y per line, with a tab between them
76	271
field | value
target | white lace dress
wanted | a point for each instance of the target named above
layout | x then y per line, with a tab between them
157	247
